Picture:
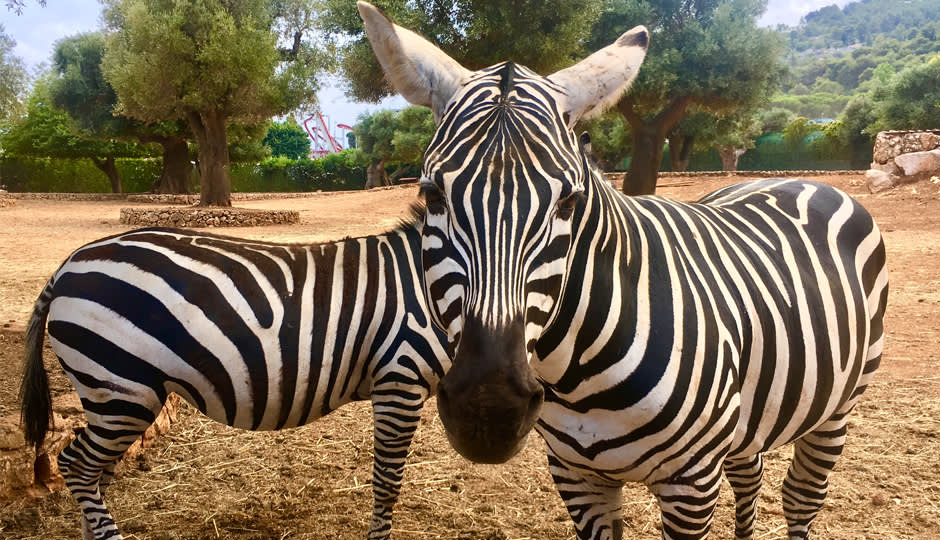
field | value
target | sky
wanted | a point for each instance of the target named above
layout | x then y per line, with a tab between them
38	28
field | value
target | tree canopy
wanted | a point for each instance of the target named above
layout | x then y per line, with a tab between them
287	139
389	136
17	6
708	56
836	53
13	79
911	100
48	131
78	86
210	63
544	35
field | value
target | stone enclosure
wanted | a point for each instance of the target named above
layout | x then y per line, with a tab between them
902	157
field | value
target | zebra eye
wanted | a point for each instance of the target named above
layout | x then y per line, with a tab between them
567	205
433	198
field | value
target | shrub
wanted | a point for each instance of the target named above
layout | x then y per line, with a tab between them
46	175
334	172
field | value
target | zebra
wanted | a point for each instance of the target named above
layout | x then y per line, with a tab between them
256	335
646	340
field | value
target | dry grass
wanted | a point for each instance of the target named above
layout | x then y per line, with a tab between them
207	481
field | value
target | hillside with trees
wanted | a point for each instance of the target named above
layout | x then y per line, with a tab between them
872	65
834	54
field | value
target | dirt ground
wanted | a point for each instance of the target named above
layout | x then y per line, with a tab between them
206	481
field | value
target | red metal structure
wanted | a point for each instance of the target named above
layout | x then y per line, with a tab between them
323	141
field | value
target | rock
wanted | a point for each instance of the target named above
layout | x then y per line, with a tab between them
890	144
879	181
11	436
22	471
68	405
884	149
919	163
890	167
207	217
929	141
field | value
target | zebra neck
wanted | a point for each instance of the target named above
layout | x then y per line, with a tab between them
607	220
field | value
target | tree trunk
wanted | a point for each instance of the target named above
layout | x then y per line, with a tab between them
215	183
680	152
397	173
177	174
649	136
644	163
376	175
108	167
729	156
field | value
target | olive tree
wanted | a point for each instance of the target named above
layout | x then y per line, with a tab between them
388	137
544	35
48	131
210	63
13	79
704	55
79	87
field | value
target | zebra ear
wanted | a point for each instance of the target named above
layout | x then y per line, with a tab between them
422	73
596	83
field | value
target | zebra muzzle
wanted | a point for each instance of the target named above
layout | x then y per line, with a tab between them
490	400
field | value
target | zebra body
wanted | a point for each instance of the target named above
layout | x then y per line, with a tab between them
646	340
256	335
782	290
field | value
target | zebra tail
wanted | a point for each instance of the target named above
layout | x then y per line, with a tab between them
35	399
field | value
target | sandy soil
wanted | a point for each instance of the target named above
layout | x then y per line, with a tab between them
207	481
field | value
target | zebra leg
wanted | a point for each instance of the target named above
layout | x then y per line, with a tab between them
107	475
394	429
688	504
87	465
807	481
594	506
745	475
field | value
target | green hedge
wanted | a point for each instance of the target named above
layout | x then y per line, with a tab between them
334	172
770	153
45	175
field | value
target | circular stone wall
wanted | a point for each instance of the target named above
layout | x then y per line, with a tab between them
206	217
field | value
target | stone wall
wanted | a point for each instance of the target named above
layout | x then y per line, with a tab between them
891	144
193	216
617	177
903	156
68	196
157	198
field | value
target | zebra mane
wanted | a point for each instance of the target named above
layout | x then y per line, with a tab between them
506	80
414	220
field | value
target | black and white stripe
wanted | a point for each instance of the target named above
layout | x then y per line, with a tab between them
747	321
649	340
256	335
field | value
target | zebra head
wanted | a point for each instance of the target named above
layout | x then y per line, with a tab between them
502	180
